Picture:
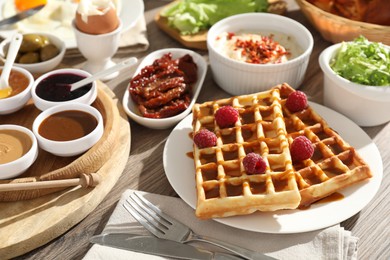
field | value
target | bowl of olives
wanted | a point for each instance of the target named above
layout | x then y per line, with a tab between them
38	53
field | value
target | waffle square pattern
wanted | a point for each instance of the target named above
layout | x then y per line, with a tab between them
266	127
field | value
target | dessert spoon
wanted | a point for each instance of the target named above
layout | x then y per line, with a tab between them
5	88
124	64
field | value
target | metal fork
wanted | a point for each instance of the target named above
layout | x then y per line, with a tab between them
166	227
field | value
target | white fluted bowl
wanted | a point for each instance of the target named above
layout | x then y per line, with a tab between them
239	78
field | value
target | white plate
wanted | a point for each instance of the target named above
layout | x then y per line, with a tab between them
130	12
179	169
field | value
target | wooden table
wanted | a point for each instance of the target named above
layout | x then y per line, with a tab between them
144	169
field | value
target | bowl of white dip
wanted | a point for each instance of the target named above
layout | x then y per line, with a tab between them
253	52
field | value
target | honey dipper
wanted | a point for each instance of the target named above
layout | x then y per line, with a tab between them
85	180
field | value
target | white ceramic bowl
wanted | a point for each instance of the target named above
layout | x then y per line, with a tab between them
365	105
163	123
17	167
237	77
72	147
17	102
42	104
40	67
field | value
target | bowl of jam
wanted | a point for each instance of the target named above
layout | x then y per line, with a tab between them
68	129
18	150
21	82
53	89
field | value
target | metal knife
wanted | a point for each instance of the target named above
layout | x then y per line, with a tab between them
157	246
20	16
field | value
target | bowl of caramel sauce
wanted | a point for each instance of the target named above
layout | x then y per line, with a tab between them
68	129
18	150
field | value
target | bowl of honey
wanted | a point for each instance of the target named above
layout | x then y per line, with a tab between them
21	82
53	88
18	150
68	129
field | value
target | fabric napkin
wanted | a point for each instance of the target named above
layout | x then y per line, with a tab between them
131	41
330	243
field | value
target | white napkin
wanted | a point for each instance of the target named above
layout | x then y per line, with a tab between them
131	41
330	243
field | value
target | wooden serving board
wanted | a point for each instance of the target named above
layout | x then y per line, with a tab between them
51	167
28	224
199	40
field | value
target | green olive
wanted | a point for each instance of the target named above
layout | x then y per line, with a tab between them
45	40
49	51
32	42
18	55
29	57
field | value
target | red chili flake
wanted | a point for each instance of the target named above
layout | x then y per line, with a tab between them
261	52
230	35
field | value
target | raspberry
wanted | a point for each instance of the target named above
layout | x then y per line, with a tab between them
296	101
226	116
205	138
301	149
253	163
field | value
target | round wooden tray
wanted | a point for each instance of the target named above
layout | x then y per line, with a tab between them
29	219
51	167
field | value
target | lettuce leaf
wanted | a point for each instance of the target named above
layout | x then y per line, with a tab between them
192	16
363	62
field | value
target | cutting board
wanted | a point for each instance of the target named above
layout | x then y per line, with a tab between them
28	224
199	40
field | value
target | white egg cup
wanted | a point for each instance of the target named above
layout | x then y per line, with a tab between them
98	49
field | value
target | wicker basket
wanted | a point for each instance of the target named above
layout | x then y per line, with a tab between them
336	29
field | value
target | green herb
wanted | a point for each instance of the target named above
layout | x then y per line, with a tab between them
363	62
192	16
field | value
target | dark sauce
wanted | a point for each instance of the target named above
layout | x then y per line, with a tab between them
50	88
332	197
258	187
212	193
67	125
210	173
190	155
233	190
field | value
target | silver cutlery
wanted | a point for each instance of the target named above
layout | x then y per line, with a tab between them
156	246
20	16
166	227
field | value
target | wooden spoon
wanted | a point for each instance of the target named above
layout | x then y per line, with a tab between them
5	88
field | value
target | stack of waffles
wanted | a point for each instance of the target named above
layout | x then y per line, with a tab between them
266	127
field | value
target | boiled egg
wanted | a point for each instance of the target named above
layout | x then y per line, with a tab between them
96	17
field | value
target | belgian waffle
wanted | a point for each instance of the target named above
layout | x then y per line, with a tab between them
334	165
223	187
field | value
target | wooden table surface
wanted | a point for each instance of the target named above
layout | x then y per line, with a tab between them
144	170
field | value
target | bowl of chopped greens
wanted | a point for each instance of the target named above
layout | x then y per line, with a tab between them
357	80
